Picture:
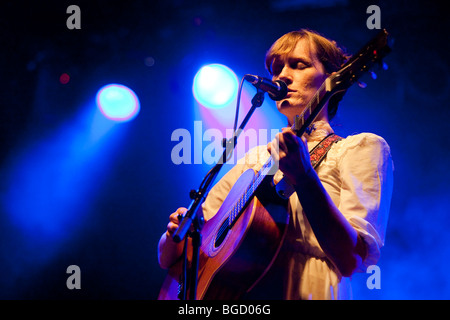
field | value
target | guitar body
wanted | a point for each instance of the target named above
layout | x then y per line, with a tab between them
232	260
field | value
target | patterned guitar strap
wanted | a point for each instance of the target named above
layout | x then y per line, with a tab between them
318	153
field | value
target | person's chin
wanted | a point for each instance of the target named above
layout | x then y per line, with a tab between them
284	105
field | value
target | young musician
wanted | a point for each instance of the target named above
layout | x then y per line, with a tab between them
339	210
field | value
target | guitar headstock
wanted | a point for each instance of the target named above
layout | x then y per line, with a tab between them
363	61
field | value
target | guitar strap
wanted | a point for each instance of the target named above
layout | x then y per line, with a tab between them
318	153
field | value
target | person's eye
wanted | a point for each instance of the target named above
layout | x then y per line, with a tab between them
300	65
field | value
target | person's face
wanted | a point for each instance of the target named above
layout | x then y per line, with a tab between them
303	73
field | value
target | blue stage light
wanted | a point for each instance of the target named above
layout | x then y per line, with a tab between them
118	102
215	86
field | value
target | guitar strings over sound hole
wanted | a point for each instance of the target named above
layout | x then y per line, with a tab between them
222	233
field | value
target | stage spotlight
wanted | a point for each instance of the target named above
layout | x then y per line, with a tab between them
117	102
64	78
215	86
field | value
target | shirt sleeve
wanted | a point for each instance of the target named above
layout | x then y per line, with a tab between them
366	170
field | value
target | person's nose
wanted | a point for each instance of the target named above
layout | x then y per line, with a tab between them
285	75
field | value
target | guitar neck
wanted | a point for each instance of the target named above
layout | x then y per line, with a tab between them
312	110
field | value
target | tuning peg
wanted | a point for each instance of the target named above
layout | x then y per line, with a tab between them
373	75
362	84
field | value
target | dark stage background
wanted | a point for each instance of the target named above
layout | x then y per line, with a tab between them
77	191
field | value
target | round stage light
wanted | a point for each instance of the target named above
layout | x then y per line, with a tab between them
215	86
118	102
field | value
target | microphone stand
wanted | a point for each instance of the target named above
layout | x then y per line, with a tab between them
193	219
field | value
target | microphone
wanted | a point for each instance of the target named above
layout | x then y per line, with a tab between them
277	90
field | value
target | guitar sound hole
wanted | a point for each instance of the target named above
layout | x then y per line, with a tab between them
222	233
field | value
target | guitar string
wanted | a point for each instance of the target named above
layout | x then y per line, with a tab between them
233	214
316	98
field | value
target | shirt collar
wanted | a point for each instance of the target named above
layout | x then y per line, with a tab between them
319	130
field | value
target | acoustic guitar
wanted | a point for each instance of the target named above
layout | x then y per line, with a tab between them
242	240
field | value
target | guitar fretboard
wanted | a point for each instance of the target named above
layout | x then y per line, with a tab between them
315	105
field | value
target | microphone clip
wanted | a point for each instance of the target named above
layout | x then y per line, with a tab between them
277	90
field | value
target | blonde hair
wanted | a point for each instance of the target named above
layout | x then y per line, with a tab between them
326	51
